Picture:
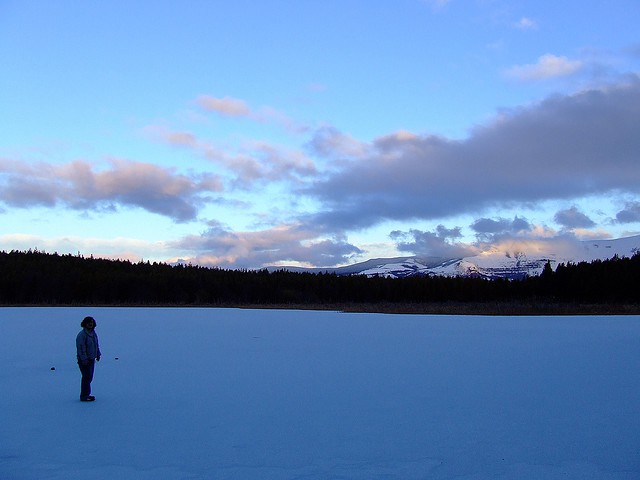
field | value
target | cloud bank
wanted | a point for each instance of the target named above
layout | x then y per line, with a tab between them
80	185
293	243
564	147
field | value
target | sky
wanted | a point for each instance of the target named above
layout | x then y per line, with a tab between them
316	133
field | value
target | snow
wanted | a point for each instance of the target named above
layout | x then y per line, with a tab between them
267	394
408	266
514	259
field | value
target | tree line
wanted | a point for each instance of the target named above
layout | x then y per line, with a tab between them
39	278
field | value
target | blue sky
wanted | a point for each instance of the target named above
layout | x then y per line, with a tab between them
244	134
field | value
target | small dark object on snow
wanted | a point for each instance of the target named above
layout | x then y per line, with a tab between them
53	368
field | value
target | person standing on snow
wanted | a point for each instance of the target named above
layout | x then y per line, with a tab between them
88	353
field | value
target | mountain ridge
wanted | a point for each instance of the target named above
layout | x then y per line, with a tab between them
510	260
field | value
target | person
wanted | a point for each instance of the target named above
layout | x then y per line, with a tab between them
88	353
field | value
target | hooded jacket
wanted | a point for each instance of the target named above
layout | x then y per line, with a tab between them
87	346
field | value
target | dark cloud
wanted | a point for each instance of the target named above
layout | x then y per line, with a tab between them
81	186
489	230
520	225
489	225
563	147
630	214
438	243
493	226
325	252
573	218
25	192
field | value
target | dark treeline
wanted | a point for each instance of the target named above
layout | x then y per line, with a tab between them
38	278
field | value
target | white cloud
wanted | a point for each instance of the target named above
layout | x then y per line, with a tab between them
590	234
117	248
526	24
548	66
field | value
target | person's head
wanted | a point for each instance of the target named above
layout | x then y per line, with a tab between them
88	322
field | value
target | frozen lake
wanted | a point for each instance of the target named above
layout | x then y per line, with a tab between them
266	394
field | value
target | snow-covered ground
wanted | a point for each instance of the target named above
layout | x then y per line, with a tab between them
254	394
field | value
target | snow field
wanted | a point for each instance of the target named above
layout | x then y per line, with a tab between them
248	394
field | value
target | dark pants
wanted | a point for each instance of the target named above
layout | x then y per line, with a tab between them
87	377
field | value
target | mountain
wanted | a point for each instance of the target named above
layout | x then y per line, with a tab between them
511	260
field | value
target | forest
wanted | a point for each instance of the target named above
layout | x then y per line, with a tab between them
39	278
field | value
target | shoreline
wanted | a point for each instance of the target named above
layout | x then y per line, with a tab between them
446	308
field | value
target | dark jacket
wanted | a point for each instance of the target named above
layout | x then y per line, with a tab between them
87	346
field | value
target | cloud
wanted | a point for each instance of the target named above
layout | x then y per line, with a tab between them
285	243
446	242
437	4
590	234
561	148
79	185
548	66
510	242
526	24
226	106
438	243
254	161
236	108
118	248
572	218
488	229
329	142
280	163
630	214
557	245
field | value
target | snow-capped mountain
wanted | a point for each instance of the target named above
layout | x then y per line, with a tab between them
512	260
